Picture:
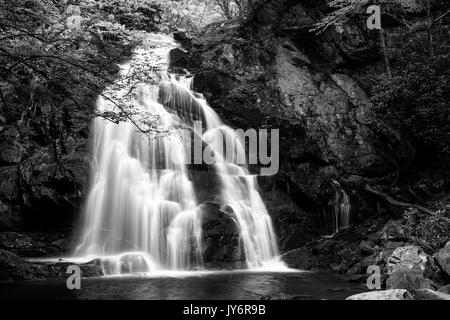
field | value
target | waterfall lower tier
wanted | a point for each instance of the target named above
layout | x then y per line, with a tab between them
142	214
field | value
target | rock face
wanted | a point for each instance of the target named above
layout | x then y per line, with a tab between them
399	294
44	177
272	73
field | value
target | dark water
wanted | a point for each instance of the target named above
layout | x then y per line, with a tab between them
212	286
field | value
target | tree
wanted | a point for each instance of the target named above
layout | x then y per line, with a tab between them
416	99
431	8
54	59
343	11
193	15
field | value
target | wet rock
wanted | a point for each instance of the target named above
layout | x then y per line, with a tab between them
212	83
410	258
299	259
221	240
286	297
12	150
58	270
293	225
442	258
178	58
326	122
445	289
180	36
428	294
180	101
393	294
366	248
52	187
13	268
409	280
394	231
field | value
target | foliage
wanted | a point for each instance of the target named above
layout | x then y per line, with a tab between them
429	232
192	15
341	11
417	99
55	61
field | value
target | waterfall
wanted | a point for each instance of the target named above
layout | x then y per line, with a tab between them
341	208
141	214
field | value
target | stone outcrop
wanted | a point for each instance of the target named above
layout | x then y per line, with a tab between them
15	268
271	72
221	239
401	294
427	294
395	294
407	258
442	258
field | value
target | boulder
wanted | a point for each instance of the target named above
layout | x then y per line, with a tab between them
393	294
221	241
445	289
180	36
58	270
13	268
442	258
408	279
178	58
410	258
428	294
393	231
366	248
299	259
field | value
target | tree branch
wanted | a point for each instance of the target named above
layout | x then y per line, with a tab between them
396	203
438	19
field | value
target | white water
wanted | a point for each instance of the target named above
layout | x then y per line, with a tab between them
341	208
142	215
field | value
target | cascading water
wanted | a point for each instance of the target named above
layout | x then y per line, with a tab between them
141	214
341	208
239	188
